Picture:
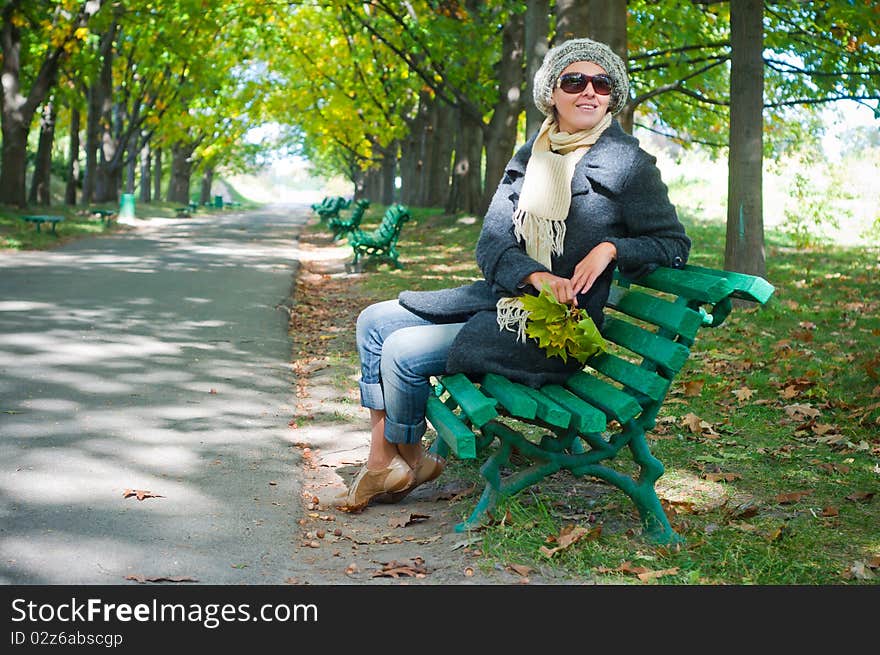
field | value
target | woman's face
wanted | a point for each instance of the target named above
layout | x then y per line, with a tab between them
584	110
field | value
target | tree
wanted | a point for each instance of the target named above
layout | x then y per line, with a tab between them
55	31
744	251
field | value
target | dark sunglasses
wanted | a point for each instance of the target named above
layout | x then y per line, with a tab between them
577	82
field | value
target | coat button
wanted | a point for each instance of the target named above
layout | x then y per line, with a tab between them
677	262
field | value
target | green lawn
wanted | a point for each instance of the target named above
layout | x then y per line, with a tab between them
770	435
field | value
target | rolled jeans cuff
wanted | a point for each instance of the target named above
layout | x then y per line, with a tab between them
372	396
405	434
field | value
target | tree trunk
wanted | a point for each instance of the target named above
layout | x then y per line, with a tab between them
465	193
389	173
181	172
744	250
146	174
438	186
157	175
571	20
107	177
501	131
92	131
537	42
424	148
40	192
606	22
410	159
72	159
17	114
207	182
131	166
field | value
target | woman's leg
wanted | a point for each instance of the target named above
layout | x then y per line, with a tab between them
399	352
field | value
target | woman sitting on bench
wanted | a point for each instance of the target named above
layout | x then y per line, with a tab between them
577	199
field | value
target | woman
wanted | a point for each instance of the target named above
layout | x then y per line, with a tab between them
578	199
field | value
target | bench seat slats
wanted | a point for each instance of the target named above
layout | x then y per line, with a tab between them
611	400
517	402
668	355
670	316
478	408
630	375
549	410
450	428
585	417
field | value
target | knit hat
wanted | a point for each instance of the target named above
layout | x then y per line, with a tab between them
568	52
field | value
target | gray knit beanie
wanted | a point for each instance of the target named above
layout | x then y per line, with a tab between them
568	52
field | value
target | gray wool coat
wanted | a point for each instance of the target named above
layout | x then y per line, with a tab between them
617	196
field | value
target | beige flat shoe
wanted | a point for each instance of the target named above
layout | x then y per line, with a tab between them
369	484
431	466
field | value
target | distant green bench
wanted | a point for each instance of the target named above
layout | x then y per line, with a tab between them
380	244
39	220
330	207
608	406
342	225
183	212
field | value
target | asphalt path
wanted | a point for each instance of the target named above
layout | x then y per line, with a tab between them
156	359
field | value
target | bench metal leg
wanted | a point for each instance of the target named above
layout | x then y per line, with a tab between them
564	453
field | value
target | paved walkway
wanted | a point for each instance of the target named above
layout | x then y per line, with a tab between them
158	360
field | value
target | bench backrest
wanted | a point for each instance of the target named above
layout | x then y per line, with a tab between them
392	222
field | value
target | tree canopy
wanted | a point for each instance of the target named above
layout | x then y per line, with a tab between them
420	89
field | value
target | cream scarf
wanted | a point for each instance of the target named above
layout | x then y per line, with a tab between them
539	219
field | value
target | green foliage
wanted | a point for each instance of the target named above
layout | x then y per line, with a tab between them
561	330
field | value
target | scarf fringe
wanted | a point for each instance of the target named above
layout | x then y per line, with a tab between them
537	232
512	316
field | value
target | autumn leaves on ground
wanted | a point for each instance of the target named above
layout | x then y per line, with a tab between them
769	435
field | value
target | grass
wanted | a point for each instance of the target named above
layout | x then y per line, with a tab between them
778	486
16	234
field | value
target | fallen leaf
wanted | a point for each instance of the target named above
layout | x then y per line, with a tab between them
520	569
161	578
718	477
860	496
743	394
830	511
570	534
394	569
793	497
653	575
799	411
140	493
694	388
407	519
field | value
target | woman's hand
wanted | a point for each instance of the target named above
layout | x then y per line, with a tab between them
560	287
592	266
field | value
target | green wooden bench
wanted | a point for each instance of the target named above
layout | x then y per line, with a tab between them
650	327
38	220
183	212
380	244
330	207
343	225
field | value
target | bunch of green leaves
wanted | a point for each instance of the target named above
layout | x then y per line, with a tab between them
561	330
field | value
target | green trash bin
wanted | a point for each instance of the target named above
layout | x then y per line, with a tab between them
126	206
218	202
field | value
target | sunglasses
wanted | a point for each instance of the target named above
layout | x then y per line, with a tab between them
577	82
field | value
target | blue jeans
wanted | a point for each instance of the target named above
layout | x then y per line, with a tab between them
399	352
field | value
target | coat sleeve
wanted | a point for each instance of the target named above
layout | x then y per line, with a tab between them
655	236
500	256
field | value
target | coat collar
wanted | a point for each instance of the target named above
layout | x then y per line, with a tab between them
606	163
